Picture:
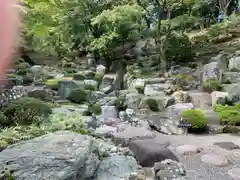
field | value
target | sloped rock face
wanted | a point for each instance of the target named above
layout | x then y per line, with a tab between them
64	155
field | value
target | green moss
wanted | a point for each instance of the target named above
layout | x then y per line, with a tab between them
212	85
152	105
196	118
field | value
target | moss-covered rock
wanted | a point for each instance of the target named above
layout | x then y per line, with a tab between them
196	118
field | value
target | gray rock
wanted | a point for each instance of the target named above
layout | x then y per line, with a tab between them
91	82
233	91
155	89
234	173
215	160
232	77
116	167
108	112
133	100
66	87
234	63
148	152
123	116
176	109
130	133
201	99
212	70
105	131
227	145
219	97
169	169
188	149
61	155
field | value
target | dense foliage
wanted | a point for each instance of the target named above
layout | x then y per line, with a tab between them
64	28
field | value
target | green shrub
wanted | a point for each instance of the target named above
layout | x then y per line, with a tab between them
196	118
152	105
22	68
89	87
212	85
229	117
95	108
120	104
78	96
25	111
98	77
3	119
179	48
79	77
140	89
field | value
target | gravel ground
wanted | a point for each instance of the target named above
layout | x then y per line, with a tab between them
198	170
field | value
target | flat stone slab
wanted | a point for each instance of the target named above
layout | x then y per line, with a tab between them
234	173
215	160
188	149
227	145
132	133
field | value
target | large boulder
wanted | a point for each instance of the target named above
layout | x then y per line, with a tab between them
212	71
65	155
148	152
155	89
234	63
219	97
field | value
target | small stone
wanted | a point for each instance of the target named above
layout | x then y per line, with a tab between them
188	149
234	173
216	160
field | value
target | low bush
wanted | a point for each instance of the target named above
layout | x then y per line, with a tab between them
25	111
120	104
22	68
95	108
152	105
78	96
228	115
196	118
89	87
212	85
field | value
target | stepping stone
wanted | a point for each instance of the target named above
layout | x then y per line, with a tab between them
188	149
234	173
227	145
215	160
148	151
